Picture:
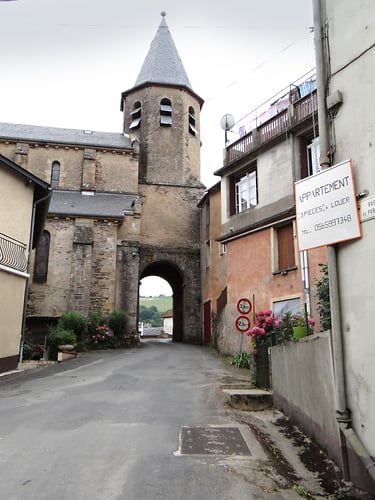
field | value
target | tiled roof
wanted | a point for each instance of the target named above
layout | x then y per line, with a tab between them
103	205
54	135
163	64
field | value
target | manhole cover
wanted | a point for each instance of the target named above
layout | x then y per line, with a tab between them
212	441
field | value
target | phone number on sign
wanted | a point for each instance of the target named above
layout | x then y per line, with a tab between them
333	222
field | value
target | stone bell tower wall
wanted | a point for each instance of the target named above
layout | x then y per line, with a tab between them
168	153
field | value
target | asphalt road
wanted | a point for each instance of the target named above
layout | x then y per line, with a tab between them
107	426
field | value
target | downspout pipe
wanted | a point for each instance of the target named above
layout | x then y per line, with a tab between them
342	412
26	294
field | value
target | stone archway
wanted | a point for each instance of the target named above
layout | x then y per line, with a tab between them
174	277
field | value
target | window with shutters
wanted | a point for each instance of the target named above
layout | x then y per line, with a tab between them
192	129
136	116
166	112
285	259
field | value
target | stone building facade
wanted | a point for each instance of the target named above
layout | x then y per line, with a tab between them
124	205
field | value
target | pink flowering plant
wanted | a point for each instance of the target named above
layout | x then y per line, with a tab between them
103	338
265	325
270	329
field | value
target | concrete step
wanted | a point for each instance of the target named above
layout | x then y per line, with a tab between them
249	399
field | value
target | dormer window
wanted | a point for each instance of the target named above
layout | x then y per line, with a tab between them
136	116
192	129
165	113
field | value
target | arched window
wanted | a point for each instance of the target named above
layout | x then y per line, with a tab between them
192	129
166	112
41	258
55	175
136	115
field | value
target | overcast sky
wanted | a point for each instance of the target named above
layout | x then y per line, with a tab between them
64	63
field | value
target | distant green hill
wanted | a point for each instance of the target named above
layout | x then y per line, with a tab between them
162	303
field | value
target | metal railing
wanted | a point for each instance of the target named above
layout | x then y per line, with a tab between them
297	112
13	253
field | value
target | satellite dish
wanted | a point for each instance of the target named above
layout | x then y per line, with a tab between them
227	122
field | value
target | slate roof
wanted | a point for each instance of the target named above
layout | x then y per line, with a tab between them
163	64
77	137
103	205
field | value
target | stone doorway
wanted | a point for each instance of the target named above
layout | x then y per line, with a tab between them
173	276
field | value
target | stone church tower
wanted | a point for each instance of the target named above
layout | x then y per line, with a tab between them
124	205
162	118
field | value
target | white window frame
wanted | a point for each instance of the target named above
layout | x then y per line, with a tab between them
313	155
246	191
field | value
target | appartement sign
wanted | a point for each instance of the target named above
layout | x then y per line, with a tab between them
326	207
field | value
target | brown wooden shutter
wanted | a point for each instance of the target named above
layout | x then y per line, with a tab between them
285	246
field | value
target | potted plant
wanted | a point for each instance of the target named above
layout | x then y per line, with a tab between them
301	323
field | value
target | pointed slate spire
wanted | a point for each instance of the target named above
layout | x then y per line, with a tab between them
163	64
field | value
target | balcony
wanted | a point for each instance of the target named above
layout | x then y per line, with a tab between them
12	254
285	117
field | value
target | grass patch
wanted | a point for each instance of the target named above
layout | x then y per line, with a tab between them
162	303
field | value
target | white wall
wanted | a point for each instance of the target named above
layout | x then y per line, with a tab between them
351	33
303	388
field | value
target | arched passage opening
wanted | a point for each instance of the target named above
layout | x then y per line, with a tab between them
173	276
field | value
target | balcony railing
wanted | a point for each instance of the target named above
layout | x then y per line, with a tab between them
12	253
277	125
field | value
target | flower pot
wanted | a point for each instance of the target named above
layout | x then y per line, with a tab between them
299	332
66	347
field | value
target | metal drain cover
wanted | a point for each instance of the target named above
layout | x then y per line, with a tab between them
212	440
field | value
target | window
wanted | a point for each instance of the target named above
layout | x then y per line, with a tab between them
41	258
55	175
313	154
285	248
208	253
206	221
192	129
136	115
222	248
289	305
310	154
165	113
208	213
243	192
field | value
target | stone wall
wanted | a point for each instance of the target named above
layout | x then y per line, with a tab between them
167	154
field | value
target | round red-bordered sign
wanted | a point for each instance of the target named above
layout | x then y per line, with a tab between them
242	323
244	306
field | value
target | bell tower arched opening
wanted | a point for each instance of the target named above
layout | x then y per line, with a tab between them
173	276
